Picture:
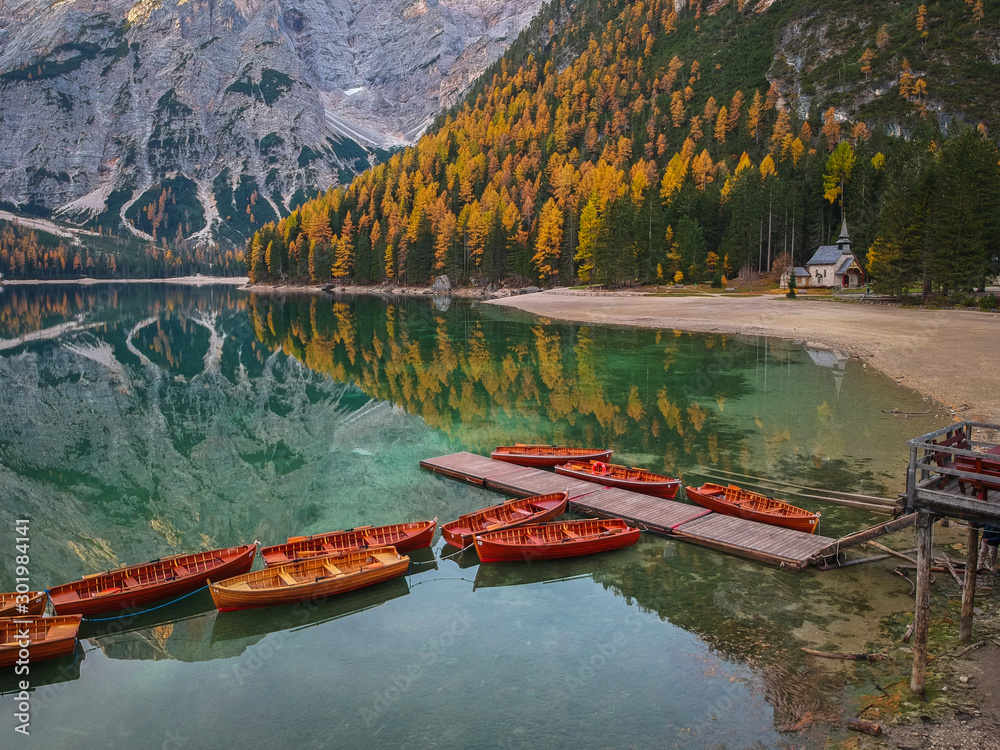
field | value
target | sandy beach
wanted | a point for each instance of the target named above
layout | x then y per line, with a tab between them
952	356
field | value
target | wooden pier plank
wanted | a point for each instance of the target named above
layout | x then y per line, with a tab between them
529	482
471	467
654	514
774	544
690	523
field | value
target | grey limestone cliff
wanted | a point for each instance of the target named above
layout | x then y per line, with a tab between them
226	111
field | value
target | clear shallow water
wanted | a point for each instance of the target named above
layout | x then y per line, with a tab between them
140	421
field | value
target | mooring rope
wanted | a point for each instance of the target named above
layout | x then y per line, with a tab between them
136	614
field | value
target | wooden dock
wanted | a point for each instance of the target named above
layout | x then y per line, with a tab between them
689	523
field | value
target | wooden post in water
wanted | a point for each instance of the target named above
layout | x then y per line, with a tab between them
969	589
921	616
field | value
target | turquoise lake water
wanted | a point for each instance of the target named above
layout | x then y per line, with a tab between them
143	420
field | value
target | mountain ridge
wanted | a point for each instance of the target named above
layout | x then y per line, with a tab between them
103	101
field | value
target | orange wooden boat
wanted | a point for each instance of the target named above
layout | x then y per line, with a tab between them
405	537
140	584
518	512
624	477
552	540
316	578
33	603
547	456
44	637
735	501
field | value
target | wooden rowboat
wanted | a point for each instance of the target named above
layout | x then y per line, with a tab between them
316	578
624	477
552	540
735	501
405	537
44	637
34	604
135	586
547	456
518	512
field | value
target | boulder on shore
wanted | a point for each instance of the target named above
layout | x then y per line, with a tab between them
441	285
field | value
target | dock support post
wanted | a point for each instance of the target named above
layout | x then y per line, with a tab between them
969	589
925	526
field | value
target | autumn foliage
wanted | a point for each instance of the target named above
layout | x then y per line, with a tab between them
624	162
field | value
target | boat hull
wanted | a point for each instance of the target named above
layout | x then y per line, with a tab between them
50	637
528	543
460	532
541	460
666	488
405	537
229	595
35	604
85	597
715	501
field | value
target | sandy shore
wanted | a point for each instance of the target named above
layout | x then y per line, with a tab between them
952	356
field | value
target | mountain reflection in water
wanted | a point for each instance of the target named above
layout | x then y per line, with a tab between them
140	421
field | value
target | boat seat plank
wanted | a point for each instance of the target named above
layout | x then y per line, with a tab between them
287	578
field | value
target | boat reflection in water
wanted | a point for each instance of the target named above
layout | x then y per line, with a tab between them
553	571
254	624
181	631
194	631
46	676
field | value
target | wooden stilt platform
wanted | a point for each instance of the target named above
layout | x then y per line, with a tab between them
690	523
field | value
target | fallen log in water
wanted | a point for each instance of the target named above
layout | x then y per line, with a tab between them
850	657
951	569
864	725
892	552
859	561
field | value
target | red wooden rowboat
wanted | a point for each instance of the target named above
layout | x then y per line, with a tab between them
33	603
459	533
44	637
134	586
403	536
624	477
547	456
735	501
316	578
552	540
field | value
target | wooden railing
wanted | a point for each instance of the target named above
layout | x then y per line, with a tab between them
961	453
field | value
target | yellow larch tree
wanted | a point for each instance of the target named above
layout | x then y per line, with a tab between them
720	125
673	178
753	114
548	246
701	170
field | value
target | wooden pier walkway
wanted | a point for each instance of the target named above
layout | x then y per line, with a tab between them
689	523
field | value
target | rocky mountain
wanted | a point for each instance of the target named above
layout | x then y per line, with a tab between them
209	118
